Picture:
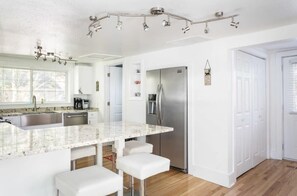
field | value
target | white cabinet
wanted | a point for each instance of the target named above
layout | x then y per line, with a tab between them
83	79
15	120
92	118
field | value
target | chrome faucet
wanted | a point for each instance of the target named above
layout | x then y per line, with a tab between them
34	102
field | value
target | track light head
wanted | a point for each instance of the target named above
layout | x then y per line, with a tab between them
187	28
233	23
59	61
206	30
65	63
119	24
54	59
97	26
44	58
166	23
145	26
90	34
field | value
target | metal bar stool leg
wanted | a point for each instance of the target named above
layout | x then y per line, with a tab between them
142	188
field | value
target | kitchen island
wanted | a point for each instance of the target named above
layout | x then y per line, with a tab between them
29	159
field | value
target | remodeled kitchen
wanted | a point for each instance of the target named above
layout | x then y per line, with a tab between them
157	98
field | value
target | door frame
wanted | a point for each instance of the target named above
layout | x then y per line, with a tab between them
277	129
107	88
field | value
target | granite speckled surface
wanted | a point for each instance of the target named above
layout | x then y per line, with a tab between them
15	142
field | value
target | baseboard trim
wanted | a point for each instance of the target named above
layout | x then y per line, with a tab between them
217	177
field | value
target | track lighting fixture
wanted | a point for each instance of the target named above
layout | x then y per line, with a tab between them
206	30
51	55
119	24
166	23
187	28
145	26
233	23
156	11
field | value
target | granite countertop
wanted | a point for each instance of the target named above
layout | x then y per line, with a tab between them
16	142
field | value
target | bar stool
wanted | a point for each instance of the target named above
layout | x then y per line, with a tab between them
89	181
81	152
142	166
132	147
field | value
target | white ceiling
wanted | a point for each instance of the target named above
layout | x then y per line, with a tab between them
62	25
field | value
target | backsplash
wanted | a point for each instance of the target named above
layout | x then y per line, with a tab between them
39	109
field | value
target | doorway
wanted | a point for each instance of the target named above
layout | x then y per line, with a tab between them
290	107
113	93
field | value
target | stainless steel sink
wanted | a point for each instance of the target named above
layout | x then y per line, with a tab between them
40	118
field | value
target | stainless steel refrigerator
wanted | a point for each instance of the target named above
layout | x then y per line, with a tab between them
167	105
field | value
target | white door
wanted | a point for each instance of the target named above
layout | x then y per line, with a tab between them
115	94
259	136
243	128
290	107
250	112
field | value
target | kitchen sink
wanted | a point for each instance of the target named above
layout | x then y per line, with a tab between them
40	118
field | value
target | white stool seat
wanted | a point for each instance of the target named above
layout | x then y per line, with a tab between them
143	165
84	151
133	146
89	181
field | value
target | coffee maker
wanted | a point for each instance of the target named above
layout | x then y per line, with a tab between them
78	103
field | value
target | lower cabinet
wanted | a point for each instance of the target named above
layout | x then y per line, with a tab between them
92	118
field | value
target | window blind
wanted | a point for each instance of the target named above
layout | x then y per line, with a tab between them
293	88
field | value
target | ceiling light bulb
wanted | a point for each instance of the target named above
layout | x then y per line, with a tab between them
119	24
187	28
145	26
206	30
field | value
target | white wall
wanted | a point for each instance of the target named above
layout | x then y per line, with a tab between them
210	107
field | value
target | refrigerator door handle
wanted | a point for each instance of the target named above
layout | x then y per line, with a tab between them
160	104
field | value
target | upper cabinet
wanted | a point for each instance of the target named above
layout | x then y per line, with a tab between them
83	79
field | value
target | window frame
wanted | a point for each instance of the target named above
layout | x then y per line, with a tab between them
67	93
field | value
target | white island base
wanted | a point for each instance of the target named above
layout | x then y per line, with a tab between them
33	175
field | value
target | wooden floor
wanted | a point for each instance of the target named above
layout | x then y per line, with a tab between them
272	177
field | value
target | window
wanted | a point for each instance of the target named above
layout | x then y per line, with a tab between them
15	85
49	85
19	85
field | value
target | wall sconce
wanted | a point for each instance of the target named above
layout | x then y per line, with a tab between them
207	74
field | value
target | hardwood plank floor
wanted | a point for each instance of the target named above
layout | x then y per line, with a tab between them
270	178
